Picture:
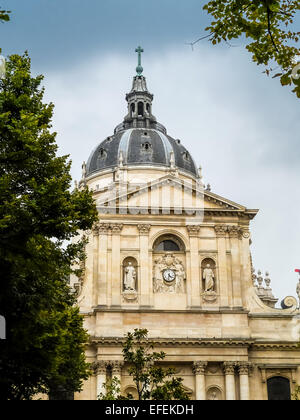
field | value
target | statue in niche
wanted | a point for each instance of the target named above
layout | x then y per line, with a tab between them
214	394
129	277
209	277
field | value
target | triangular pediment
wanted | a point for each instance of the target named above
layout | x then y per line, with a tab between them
168	192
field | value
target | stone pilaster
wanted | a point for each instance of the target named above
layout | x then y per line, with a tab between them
116	370
200	388
193	231
116	229
229	370
247	279
235	235
221	231
145	264
102	232
99	368
244	370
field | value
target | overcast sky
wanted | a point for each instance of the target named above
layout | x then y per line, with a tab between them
242	127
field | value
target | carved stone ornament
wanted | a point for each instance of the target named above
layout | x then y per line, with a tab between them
214	394
244	368
144	229
229	368
116	228
246	234
99	367
116	367
221	231
193	230
199	368
234	232
168	275
105	228
209	297
130	296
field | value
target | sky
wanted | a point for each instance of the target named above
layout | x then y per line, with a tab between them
240	126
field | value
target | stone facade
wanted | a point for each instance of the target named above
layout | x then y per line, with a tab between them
190	284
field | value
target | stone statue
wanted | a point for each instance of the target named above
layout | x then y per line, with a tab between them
180	276
130	277
158	280
208	276
83	170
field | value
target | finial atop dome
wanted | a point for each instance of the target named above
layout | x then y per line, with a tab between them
139	68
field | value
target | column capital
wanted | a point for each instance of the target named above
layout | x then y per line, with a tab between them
193	230
101	228
235	232
99	367
244	368
229	368
144	229
221	231
116	228
245	232
199	367
116	367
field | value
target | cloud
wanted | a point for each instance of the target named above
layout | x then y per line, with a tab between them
242	127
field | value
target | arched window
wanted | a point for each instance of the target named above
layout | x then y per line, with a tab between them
279	389
147	146
141	109
168	243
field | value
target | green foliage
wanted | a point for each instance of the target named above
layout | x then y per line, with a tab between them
267	24
39	215
4	15
152	382
113	391
296	394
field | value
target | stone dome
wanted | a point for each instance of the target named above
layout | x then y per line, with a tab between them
140	147
140	140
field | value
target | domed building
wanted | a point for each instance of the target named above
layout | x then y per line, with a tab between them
171	256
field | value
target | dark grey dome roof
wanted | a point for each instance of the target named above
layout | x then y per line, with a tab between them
140	139
140	146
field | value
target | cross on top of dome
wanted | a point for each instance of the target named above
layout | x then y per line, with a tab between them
139	68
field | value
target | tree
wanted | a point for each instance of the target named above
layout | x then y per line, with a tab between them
268	25
4	15
112	391
39	216
296	395
152	381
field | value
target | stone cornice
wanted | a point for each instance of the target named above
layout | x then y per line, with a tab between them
252	345
171	342
187	212
294	346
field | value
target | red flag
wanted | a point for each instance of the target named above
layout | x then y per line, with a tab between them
297	270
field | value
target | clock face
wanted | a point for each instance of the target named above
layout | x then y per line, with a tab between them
169	275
